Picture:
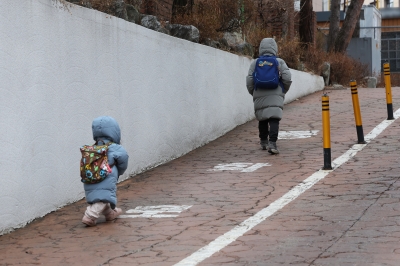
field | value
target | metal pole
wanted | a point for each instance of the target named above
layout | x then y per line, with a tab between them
388	86
326	132
357	112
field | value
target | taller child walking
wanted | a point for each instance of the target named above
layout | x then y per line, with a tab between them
102	197
268	103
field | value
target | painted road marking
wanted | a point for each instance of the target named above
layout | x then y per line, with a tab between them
156	211
242	167
297	134
238	231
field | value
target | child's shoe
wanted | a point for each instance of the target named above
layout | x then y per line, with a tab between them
272	148
112	214
88	221
264	144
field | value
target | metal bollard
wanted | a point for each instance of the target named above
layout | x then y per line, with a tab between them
326	132
388	86
357	112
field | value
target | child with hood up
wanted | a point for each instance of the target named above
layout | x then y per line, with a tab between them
268	103
102	197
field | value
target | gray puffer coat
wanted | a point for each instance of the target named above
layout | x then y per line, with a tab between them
269	103
107	129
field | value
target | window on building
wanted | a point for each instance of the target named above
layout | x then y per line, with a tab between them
388	3
325	5
390	50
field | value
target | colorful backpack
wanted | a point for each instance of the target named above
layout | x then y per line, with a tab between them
94	163
266	73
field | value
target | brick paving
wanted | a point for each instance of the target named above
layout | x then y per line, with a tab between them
351	217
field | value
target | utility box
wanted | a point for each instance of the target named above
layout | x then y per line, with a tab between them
367	51
367	48
370	23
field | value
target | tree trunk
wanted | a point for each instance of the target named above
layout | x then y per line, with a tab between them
306	22
349	24
356	32
334	23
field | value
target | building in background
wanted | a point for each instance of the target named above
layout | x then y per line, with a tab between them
365	46
391	37
325	5
379	32
383	3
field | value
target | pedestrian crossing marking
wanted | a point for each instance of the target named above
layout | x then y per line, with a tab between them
161	211
297	134
242	167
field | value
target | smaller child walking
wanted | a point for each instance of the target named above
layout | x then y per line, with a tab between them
102	196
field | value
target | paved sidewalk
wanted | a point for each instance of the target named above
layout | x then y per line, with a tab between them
349	217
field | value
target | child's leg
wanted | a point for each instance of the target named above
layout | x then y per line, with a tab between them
263	133
111	214
93	212
273	135
273	129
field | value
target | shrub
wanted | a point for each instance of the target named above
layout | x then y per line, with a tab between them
394	80
290	51
214	17
343	67
205	16
253	34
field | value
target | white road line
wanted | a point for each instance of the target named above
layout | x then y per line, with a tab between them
238	231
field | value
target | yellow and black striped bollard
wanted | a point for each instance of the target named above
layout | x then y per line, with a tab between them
326	124
388	86
357	112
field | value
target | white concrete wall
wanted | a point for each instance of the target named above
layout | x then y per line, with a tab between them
60	68
302	85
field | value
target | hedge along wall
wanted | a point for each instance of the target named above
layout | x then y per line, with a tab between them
60	68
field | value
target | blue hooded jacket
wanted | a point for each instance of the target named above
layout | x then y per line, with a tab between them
106	128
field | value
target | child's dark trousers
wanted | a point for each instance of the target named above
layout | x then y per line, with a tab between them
269	129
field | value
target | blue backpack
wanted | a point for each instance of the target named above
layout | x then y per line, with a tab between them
266	73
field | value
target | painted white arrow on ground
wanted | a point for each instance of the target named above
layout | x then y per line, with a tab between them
242	167
156	211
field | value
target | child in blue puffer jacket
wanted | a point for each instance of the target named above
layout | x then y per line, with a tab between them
102	197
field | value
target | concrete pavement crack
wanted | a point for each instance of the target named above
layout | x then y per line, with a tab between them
348	229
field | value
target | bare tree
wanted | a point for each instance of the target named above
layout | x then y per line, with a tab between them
346	32
334	23
306	22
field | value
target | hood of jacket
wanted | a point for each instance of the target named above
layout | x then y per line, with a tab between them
268	46
106	127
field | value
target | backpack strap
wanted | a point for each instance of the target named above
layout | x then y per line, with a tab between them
108	144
